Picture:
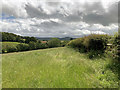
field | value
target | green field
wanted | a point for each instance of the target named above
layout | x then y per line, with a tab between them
55	68
9	44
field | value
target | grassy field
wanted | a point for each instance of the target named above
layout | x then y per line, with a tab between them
9	44
55	68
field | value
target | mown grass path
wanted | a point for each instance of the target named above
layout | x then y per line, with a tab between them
51	68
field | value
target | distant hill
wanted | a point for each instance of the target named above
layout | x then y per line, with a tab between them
17	38
49	38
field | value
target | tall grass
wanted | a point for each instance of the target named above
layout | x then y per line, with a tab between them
56	68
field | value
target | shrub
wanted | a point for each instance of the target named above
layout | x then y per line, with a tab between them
55	42
64	43
77	43
115	49
93	54
22	47
12	49
41	45
95	44
3	50
32	45
9	49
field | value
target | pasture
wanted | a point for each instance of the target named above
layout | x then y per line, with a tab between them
56	68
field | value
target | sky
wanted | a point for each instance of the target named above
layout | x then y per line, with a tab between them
66	18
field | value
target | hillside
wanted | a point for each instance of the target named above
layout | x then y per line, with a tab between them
55	68
9	44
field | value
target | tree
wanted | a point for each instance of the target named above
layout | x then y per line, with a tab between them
22	47
54	42
29	39
32	45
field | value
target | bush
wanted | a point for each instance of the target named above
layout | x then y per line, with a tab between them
12	49
76	43
93	54
55	42
9	49
32	45
114	51
94	44
64	43
41	45
22	47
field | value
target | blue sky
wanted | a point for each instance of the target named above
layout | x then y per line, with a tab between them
5	16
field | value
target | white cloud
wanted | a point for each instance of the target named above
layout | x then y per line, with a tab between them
63	18
53	27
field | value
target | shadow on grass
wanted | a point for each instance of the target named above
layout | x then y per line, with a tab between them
114	66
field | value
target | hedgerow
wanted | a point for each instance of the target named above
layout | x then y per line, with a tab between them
93	44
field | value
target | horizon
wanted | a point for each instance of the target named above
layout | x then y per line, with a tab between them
59	37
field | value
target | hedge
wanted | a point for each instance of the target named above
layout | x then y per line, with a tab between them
94	44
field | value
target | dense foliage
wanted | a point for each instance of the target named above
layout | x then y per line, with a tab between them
9	46
16	38
93	44
11	37
22	47
116	44
55	42
113	48
16	43
30	39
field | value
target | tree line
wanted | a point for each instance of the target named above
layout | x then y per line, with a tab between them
16	38
28	43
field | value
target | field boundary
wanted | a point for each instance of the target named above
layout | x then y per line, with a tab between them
31	50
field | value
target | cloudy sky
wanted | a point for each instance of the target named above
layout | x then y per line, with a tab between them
66	18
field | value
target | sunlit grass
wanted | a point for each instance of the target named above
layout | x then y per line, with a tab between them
53	68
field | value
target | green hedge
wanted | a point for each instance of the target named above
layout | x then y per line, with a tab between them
22	47
10	47
114	50
94	44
